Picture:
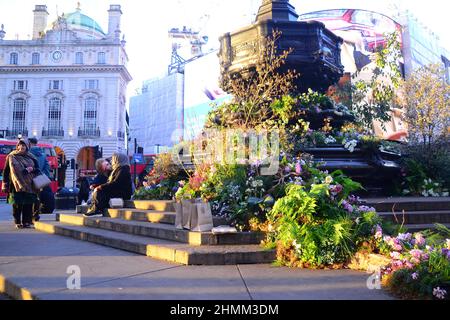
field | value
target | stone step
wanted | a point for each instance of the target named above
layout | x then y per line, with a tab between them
142	215
418	217
420	227
158	205
163	249
399	204
163	231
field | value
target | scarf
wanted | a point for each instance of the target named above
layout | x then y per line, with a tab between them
17	161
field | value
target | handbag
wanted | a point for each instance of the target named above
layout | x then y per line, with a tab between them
41	181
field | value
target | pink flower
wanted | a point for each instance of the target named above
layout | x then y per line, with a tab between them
336	189
395	255
416	253
298	168
409	265
419	239
378	232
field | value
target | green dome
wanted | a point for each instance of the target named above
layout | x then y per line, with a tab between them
78	19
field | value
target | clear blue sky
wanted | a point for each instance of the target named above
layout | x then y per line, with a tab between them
145	22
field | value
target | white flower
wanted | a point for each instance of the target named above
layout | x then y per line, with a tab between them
329	179
439	293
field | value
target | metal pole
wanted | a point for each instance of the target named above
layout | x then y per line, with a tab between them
135	150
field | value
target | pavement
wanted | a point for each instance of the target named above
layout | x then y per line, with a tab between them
35	265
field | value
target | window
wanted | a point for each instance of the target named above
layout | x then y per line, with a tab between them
35	58
79	58
54	116
101	58
55	85
20	85
90	115
13	58
91	84
19	111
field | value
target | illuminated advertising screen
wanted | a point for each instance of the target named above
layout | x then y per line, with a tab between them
363	32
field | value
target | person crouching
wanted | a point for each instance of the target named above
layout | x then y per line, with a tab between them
118	186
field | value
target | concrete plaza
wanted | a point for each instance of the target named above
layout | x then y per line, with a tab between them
35	265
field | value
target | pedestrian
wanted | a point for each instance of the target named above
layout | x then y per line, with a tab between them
103	168
20	169
46	199
117	186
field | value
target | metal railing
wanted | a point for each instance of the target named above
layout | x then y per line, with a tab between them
89	132
53	133
13	133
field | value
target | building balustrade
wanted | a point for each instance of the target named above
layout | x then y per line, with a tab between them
89	132
13	134
52	132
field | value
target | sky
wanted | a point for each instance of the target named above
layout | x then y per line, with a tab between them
145	23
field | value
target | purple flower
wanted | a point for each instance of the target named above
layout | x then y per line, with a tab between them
416	253
446	253
354	199
287	169
404	236
366	209
415	275
347	206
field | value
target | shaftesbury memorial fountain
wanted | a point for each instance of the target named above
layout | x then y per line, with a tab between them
316	56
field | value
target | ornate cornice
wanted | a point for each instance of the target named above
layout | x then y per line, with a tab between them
74	69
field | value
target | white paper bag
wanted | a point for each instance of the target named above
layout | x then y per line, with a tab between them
187	208
201	217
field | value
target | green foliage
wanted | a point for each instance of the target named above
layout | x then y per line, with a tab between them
310	221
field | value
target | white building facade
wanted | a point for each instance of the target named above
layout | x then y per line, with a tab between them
67	86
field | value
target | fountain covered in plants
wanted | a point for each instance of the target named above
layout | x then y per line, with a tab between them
314	54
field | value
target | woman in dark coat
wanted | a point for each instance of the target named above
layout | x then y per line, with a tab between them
118	185
20	169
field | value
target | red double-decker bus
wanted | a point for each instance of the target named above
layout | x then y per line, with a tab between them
6	146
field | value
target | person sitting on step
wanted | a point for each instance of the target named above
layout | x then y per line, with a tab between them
118	185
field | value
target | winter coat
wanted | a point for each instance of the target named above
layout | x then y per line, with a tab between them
119	183
42	160
15	175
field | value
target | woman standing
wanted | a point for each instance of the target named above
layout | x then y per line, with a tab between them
118	185
20	169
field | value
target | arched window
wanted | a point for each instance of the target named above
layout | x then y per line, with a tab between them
35	58
19	113
54	116
90	116
79	58
13	58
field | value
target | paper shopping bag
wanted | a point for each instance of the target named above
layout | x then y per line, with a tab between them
201	218
187	208
179	215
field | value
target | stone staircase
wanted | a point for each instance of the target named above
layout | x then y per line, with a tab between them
415	213
147	228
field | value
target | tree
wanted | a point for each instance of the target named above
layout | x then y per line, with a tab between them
255	91
374	99
426	98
